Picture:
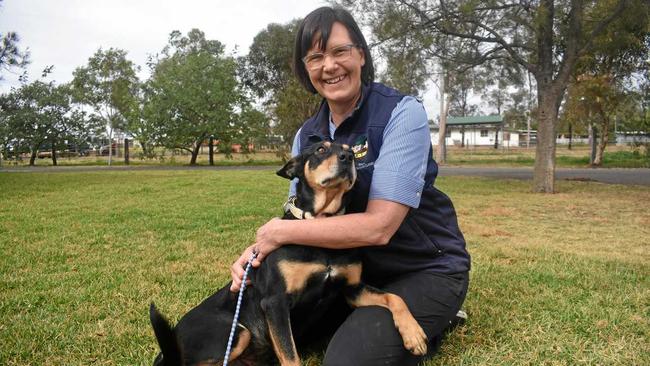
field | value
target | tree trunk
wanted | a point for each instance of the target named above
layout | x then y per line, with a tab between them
211	150
602	144
126	151
53	154
32	159
195	152
544	173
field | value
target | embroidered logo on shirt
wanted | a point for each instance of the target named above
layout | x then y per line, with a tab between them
360	147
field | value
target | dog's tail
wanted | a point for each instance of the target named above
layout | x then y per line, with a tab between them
171	351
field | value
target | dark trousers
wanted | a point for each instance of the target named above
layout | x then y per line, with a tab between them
367	335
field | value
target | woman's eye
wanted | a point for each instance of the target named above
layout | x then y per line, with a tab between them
317	57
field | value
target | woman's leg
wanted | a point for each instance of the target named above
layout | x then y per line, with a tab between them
368	336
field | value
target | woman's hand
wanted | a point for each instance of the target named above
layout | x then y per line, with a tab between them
239	267
265	242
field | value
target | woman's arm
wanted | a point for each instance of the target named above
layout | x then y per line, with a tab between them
398	180
375	226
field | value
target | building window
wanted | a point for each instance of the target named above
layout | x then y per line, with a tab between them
447	132
484	133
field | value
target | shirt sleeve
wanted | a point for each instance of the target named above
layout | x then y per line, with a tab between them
295	150
401	165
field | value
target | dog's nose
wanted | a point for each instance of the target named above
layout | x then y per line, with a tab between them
346	155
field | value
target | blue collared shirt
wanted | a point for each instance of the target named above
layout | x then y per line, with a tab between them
401	165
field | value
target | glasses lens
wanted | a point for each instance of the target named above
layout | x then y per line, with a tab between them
316	60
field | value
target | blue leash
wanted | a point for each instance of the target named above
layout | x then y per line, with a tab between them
235	319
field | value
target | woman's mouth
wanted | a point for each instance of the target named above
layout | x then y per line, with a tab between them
335	80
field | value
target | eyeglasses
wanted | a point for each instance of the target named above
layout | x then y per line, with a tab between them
340	53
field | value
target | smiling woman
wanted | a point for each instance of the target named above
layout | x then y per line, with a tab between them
405	228
335	73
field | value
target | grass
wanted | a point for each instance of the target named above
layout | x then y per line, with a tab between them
559	279
257	158
578	157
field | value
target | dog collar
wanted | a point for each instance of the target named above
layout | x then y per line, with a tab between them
290	206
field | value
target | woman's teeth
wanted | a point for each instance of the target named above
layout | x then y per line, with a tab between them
335	80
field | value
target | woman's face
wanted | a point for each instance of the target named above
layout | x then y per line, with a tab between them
338	81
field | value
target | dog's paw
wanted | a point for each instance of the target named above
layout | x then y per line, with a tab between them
415	341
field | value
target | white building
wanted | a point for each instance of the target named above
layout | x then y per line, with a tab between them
477	131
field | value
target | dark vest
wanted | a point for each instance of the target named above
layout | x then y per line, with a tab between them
429	239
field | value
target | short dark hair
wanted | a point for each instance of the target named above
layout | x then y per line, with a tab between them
319	22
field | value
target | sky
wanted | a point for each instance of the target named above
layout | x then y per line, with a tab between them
65	33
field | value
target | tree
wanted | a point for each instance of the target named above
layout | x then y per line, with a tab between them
460	87
294	105
600	91
254	128
37	116
141	121
7	138
193	93
266	71
108	83
11	56
544	37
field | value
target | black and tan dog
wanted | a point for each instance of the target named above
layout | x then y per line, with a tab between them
292	288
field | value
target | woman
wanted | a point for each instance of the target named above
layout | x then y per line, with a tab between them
406	229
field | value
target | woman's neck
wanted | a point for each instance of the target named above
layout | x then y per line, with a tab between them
340	111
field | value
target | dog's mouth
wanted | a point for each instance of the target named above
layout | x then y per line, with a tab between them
345	176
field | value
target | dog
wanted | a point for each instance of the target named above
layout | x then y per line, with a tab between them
293	285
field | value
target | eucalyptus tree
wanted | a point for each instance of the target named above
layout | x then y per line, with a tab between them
7	138
545	37
108	84
603	87
266	71
27	117
11	55
193	93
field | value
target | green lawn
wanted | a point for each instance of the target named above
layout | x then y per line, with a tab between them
558	279
577	157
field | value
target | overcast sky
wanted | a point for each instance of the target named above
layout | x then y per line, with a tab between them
65	33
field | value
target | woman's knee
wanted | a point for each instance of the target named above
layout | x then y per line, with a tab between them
367	337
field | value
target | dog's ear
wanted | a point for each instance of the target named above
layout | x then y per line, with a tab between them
291	168
166	338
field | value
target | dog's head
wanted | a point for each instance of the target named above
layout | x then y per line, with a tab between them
325	173
199	338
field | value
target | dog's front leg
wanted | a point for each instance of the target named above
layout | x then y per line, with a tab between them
414	338
276	311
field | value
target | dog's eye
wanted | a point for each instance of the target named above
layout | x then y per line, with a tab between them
320	150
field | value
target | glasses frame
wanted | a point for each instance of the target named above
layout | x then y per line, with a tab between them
348	47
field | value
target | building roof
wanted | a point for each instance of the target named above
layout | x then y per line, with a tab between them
474	120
